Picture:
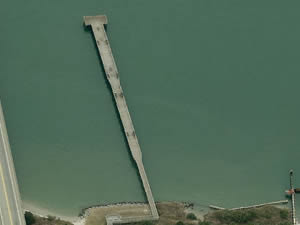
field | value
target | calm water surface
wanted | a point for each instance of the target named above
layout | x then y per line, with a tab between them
213	88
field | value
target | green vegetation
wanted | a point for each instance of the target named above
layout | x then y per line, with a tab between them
191	216
179	223
204	223
172	213
50	220
29	218
147	223
239	216
284	214
267	215
142	223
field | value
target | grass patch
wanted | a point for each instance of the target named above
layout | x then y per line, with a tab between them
176	214
267	215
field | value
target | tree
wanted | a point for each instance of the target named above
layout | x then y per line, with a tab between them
179	223
191	216
29	218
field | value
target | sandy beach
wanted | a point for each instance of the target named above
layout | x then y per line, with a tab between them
45	213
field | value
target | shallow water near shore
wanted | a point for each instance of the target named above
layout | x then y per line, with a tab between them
212	87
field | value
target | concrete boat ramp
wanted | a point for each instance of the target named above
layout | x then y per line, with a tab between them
97	23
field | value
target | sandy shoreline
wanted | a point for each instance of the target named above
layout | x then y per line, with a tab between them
96	214
80	220
76	220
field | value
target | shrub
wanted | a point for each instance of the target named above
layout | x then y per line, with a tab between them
204	223
191	216
285	223
239	216
51	218
147	223
284	214
179	223
29	218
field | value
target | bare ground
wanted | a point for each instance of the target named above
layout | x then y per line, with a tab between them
96	216
170	213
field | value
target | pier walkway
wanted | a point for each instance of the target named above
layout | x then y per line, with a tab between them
11	212
97	24
294	219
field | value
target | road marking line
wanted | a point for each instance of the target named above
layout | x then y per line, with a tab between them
5	192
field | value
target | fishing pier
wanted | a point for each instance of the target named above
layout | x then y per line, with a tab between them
294	219
97	23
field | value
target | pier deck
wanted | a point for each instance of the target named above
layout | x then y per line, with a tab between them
97	24
294	219
11	212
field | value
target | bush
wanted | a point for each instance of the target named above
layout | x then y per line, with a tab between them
51	218
239	216
204	223
285	223
191	216
179	223
147	223
29	218
284	214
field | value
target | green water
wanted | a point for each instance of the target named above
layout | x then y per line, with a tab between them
212	86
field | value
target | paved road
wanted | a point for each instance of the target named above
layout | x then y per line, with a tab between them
112	75
11	212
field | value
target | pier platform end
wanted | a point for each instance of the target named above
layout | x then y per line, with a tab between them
88	20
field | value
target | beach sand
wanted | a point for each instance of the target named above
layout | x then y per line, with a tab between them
45	213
